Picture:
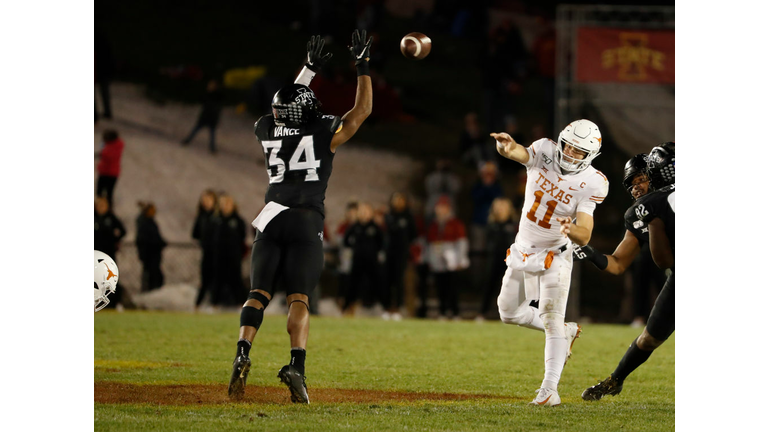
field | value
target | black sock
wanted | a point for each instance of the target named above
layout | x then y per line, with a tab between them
243	347
633	358
298	355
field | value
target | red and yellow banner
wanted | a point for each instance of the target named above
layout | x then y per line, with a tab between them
620	55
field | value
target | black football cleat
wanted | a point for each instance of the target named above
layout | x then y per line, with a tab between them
609	386
240	368
296	383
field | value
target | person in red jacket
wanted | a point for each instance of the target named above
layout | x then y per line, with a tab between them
109	164
448	252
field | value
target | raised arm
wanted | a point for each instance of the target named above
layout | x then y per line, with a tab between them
361	51
509	148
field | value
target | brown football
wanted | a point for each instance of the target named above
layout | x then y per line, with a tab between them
415	45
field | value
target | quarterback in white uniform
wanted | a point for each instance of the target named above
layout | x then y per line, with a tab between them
561	193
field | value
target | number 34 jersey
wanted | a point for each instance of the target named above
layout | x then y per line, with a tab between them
299	161
550	194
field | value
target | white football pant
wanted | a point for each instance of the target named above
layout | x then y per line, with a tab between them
519	288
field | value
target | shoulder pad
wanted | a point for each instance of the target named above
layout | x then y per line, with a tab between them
332	121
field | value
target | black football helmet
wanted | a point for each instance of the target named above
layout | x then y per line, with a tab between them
661	165
295	105
638	164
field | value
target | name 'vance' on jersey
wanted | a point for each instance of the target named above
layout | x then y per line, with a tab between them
299	161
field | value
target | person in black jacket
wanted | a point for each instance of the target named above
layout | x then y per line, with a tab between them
400	232
500	234
150	245
230	245
107	232
367	241
203	231
209	116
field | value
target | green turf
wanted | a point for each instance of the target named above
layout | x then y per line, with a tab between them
412	355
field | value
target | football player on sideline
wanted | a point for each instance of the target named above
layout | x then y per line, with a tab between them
299	143
651	219
561	194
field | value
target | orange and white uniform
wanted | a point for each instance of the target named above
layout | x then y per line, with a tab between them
535	286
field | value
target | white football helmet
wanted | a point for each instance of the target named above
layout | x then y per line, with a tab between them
582	135
105	275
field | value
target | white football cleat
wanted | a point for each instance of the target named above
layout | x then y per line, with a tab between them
572	332
546	397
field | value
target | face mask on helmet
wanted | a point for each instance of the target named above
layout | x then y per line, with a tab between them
633	167
105	275
295	105
585	139
661	165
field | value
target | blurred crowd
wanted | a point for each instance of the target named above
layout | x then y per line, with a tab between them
377	258
437	245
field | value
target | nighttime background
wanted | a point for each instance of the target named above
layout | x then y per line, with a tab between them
492	68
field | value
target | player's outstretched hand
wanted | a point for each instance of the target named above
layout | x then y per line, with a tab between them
503	140
360	49
565	225
315	58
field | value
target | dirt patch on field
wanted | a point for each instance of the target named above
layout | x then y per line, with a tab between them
208	394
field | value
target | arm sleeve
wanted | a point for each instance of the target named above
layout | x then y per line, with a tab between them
535	151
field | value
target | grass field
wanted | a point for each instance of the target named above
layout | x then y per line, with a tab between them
168	372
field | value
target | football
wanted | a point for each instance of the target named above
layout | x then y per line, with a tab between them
415	45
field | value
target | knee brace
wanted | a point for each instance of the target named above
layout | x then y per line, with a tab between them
250	316
261	298
300	301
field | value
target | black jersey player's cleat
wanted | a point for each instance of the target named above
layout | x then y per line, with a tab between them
296	383
609	386
240	368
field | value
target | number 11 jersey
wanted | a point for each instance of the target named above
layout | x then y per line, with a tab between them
299	161
550	194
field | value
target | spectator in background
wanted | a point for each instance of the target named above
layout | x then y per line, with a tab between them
209	116
487	189
204	232
419	259
474	146
500	234
442	182
400	232
345	252
107	230
367	242
447	253
109	164
150	245
104	71
230	248
107	233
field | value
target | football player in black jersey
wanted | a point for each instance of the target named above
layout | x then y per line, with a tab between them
299	143
651	219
